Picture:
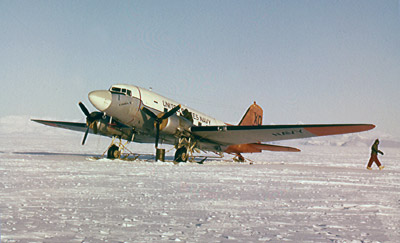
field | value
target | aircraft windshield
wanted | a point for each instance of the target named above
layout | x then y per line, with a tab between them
117	90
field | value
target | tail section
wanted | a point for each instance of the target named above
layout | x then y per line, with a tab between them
253	116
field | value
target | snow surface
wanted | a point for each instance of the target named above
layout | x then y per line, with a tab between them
51	191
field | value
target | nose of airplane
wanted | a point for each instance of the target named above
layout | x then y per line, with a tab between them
101	99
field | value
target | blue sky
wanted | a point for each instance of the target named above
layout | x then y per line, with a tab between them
302	61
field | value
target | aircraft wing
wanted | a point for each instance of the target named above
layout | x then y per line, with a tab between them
75	126
231	135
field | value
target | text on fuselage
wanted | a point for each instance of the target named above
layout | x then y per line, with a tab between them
195	116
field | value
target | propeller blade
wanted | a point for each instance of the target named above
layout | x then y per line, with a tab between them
158	120
84	137
171	112
84	109
149	112
157	134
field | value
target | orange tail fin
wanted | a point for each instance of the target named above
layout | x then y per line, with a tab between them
253	116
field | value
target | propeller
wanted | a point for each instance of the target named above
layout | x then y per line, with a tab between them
159	119
91	118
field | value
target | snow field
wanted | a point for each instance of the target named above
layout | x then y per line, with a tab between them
51	191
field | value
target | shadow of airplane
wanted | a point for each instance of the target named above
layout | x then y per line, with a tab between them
132	157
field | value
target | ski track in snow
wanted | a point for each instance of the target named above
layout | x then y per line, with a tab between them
52	192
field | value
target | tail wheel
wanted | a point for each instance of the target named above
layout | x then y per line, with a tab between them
239	158
113	152
181	155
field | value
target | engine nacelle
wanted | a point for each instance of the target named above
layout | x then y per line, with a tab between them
175	125
112	128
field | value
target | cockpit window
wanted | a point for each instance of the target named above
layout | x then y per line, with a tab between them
117	90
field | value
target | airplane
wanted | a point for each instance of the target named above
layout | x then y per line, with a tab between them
136	114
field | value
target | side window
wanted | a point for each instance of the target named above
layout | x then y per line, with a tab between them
129	92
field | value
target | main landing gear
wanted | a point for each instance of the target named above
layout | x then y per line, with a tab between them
181	154
115	151
184	149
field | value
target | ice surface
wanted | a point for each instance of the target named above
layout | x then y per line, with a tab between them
51	191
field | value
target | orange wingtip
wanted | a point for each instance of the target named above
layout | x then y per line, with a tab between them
339	129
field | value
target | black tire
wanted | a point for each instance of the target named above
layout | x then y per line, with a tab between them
181	155
113	152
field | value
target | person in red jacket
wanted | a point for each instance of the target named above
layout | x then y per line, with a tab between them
374	156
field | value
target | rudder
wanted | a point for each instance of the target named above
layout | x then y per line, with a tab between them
253	116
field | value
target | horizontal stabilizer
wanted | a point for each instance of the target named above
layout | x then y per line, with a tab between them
275	148
257	148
